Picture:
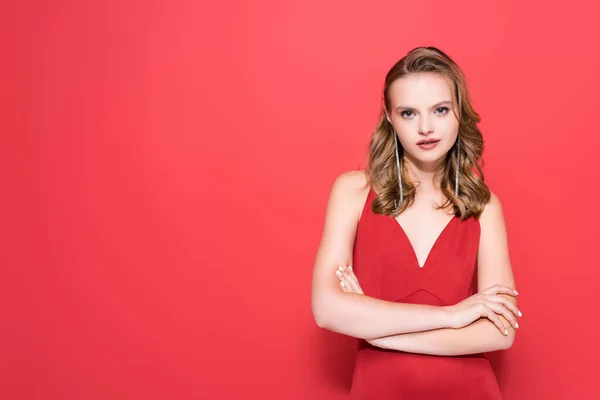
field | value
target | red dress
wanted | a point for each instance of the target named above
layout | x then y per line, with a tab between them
386	266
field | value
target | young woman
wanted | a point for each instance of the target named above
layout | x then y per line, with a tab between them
428	287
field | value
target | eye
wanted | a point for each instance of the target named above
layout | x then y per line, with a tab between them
403	114
446	109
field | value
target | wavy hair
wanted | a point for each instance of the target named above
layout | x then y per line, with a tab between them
381	170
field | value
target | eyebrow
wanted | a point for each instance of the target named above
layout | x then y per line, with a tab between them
431	108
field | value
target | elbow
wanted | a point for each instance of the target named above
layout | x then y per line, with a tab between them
325	314
328	314
324	321
320	315
319	319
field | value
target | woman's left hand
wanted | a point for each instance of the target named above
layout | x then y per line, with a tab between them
349	284
348	281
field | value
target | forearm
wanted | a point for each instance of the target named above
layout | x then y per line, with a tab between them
479	337
367	317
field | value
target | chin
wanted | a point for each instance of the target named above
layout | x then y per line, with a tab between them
433	155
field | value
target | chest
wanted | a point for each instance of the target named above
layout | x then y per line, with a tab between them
436	260
422	230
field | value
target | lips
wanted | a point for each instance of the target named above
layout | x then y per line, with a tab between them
427	141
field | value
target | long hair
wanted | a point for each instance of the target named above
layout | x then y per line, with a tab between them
381	170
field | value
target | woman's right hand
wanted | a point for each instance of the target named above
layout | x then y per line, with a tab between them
487	304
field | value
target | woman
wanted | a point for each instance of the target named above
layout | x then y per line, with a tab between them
429	286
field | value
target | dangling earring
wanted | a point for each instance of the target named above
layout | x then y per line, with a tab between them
457	165
399	169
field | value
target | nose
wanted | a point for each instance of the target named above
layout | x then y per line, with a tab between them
425	126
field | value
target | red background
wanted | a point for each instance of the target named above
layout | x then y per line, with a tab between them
165	169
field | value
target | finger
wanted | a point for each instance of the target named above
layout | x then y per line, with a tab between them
505	312
508	304
359	289
349	279
345	283
496	289
352	279
492	316
353	283
344	286
351	270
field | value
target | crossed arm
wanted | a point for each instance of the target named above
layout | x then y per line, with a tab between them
481	335
397	326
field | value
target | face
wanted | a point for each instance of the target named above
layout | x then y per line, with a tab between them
422	110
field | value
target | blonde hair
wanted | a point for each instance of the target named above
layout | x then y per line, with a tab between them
381	170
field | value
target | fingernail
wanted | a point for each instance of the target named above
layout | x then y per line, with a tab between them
350	268
505	331
516	324
338	273
341	268
516	292
520	313
343	284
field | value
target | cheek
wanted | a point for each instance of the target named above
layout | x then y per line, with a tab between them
449	123
406	135
448	129
405	141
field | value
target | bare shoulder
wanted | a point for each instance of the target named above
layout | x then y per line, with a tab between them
354	180
351	188
492	214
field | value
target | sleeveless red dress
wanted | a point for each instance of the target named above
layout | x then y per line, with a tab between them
386	266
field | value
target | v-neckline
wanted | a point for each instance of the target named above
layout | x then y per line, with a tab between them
414	253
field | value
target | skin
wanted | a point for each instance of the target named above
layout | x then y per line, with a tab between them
483	322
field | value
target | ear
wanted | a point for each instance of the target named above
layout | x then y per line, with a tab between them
388	118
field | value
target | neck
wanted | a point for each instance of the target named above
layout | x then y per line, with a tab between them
422	173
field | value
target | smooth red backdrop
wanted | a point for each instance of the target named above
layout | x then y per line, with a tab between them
165	168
